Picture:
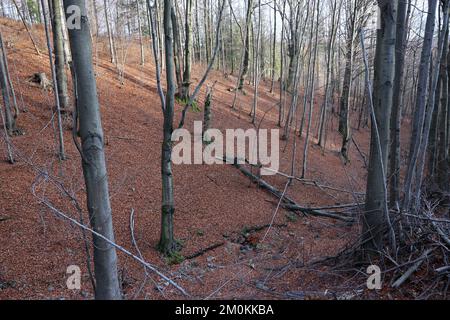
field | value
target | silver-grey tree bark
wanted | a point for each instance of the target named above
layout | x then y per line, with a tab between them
10	121
442	167
110	35
376	218
93	157
246	57
141	40
167	243
400	50
344	110
58	45
419	114
431	105
61	151
187	51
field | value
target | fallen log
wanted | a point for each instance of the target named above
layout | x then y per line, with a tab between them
261	183
318	213
203	251
289	203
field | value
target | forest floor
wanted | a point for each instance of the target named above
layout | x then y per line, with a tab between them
214	204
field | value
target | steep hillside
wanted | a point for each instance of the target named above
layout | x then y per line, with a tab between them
215	205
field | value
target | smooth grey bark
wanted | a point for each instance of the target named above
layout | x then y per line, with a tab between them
110	36
207	113
93	158
61	151
141	40
10	121
400	50
194	95
291	115
376	216
274	45
293	48
282	91
198	49
8	77
177	51
207	30
153	29
167	243
329	60
58	44
6	135
257	65
187	51
419	114
311	93
246	58
344	110
442	167
431	104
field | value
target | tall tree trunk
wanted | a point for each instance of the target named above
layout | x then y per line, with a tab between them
177	51
344	110
207	31
10	122
312	91
246	59
274	46
93	159
58	44
292	48
282	92
61	152
141	40
187	52
419	114
376	215
257	65
431	99
328	78
442	151
112	51
167	241
394	159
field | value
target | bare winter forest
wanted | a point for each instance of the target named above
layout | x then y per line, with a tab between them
224	149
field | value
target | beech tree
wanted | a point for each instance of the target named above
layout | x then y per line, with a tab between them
58	45
167	243
89	123
376	216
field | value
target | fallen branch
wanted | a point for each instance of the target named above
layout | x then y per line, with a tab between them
289	204
259	228
203	251
318	213
260	182
411	270
441	233
140	260
363	156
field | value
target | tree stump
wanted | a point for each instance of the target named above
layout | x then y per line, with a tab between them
41	80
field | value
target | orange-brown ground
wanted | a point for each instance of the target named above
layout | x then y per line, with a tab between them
213	203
